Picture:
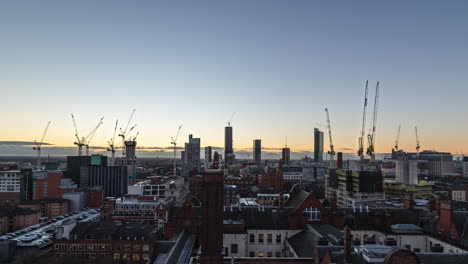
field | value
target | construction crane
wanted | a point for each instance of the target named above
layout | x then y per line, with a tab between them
125	132
397	138
371	135
39	144
174	142
418	146
360	151
91	134
231	118
111	143
80	142
331	152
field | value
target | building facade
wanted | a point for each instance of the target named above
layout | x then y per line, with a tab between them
318	145
257	151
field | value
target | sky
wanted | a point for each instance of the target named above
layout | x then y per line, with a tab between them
276	64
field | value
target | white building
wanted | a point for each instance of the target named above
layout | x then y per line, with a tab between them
161	187
10	181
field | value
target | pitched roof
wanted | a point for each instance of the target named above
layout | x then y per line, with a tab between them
296	198
303	244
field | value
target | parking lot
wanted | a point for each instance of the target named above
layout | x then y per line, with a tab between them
41	235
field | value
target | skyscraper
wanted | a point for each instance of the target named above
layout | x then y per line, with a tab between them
192	155
208	154
257	151
286	156
228	151
318	145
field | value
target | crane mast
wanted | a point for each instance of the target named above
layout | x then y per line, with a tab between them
174	142
332	148
231	118
371	135
397	138
80	142
39	144
360	151
418	146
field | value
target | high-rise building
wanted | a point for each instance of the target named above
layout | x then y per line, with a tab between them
228	150
130	155
318	145
73	167
192	156
339	160
112	179
257	151
212	217
209	154
439	163
286	156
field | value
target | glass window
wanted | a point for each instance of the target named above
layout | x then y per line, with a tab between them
145	247
269	254
251	254
278	254
314	213
116	256
260	254
136	257
252	238
127	247
269	238
234	249
145	256
278	238
136	247
260	238
126	256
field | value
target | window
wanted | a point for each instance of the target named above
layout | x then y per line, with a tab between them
278	254
126	256
314	214
136	247
417	250
116	256
269	254
269	238
251	254
145	247
260	238
145	256
127	247
252	238
136	257
260	254
278	238
234	249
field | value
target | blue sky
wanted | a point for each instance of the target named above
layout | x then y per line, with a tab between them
277	64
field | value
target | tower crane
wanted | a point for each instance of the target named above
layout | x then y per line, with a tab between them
111	142
231	118
80	142
371	136
91	134
360	151
39	144
174	142
332	148
418	146
125	132
397	138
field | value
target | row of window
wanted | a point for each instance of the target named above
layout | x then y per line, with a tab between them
261	238
262	254
99	247
118	256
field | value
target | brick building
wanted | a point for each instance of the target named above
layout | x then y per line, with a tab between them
49	207
119	242
13	218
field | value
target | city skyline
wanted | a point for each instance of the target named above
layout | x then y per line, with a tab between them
278	67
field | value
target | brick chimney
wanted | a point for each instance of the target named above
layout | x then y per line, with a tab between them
347	244
409	201
446	217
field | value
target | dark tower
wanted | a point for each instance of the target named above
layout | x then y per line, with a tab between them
228	151
286	156
212	216
257	155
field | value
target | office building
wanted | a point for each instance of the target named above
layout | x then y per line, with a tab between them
228	149
318	145
192	163
74	164
208	154
112	179
257	151
286	156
